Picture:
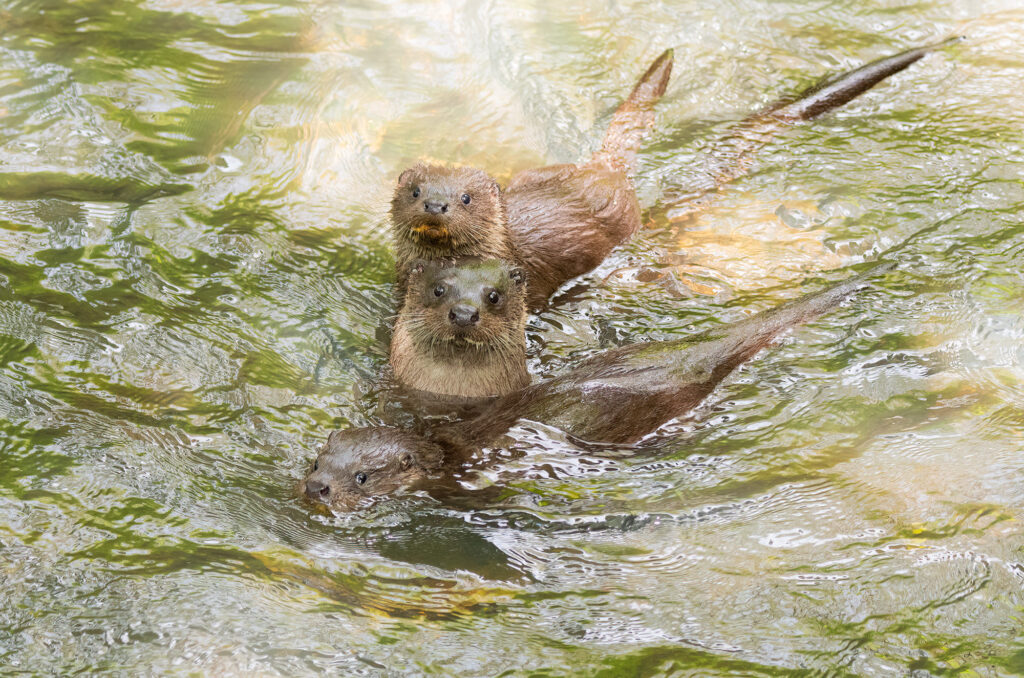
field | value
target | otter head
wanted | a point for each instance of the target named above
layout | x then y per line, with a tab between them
357	465
448	211
473	305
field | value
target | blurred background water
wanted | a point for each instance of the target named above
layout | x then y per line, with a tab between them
194	264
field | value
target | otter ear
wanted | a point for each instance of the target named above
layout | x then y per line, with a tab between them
417	266
406	461
517	275
332	438
495	189
408	175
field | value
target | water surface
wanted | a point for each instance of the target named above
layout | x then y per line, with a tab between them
194	268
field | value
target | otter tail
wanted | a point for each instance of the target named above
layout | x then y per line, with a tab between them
635	116
834	92
737	343
774	321
732	156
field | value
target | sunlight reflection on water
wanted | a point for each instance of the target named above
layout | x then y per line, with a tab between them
194	268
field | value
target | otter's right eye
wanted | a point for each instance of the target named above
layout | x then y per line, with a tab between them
493	297
416	192
360	478
439	291
316	465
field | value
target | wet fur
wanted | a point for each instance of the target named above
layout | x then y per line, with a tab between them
557	222
429	353
477	229
392	460
617	396
561	221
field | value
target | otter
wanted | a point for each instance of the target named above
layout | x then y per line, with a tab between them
617	396
557	222
560	221
462	329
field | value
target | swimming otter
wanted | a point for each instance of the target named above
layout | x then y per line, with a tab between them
462	329
615	397
560	221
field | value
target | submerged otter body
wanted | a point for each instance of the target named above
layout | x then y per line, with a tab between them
617	396
461	331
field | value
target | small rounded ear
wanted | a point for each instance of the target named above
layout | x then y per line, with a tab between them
408	175
495	189
417	266
333	437
517	275
406	461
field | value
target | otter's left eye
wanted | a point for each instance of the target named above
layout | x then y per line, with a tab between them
439	291
416	192
360	478
465	198
493	297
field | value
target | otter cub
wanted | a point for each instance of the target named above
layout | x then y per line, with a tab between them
461	331
557	222
617	396
561	221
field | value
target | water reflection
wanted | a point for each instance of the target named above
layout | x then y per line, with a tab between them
194	265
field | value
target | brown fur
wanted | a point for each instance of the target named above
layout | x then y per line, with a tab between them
617	396
431	351
476	229
558	222
392	461
561	221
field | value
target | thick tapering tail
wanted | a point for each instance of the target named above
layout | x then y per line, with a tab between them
735	344
768	325
635	116
733	155
834	92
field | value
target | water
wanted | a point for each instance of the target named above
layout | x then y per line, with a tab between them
194	264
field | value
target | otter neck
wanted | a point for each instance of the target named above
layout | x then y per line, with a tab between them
458	369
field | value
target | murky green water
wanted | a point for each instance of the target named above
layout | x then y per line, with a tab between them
194	265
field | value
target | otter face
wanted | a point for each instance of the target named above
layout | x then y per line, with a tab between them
473	304
357	465
444	211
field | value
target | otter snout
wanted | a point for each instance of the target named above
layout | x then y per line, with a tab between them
464	315
435	206
317	491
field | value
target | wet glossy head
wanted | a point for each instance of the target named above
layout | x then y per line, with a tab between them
473	304
355	466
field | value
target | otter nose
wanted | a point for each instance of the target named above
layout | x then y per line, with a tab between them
464	315
435	206
317	490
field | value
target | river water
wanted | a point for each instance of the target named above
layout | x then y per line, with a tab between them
194	268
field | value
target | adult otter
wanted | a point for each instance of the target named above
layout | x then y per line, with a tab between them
615	397
462	329
561	221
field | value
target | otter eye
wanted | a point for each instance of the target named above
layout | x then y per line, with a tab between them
360	478
465	198
439	291
493	297
316	465
416	192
